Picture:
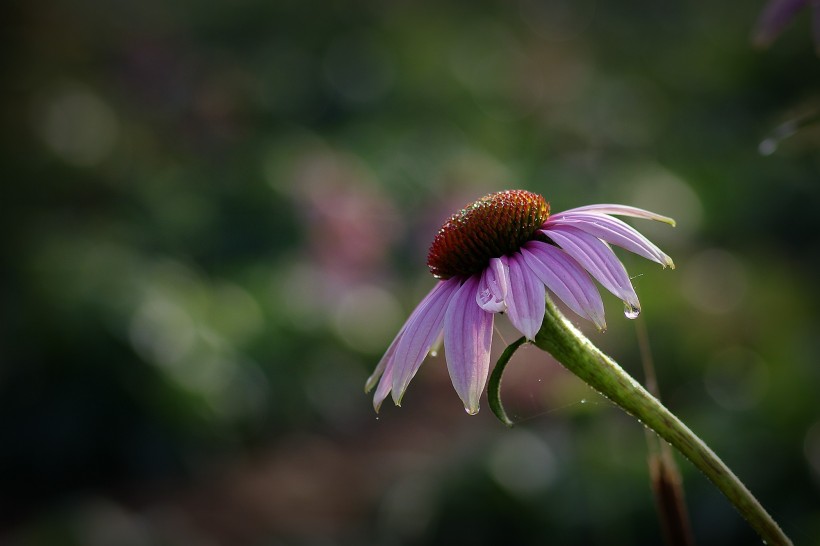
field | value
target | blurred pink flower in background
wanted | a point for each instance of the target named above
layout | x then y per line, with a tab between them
778	14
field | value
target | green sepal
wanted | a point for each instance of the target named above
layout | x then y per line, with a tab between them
494	384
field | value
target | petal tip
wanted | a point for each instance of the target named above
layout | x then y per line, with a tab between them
531	331
397	396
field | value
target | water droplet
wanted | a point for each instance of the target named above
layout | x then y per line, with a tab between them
583	400
434	353
630	311
786	130
767	147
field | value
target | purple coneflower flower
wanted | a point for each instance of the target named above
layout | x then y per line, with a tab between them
500	255
777	14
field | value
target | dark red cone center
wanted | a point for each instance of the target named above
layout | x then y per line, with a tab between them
494	226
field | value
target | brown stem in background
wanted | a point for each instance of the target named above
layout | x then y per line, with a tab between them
664	473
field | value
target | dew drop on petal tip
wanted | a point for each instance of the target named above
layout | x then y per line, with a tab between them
631	312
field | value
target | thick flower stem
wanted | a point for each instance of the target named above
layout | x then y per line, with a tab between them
575	352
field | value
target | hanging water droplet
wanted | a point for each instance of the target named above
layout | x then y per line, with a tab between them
434	353
630	311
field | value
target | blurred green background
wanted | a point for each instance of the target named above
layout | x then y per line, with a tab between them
215	216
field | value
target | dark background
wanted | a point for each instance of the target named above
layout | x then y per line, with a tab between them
215	216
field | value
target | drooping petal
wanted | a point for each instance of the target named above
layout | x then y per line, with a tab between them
384	387
614	231
596	257
621	210
526	299
493	287
566	279
382	365
420	331
468	334
384	370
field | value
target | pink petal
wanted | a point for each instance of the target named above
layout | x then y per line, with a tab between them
384	387
566	279
621	210
421	330
774	18
615	232
597	258
383	363
526	299
492	289
468	334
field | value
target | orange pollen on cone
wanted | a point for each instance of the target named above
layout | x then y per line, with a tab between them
494	226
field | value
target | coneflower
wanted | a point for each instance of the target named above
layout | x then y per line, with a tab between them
500	255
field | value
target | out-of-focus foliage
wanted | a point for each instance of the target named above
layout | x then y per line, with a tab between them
215	216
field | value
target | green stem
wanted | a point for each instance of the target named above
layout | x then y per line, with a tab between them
576	353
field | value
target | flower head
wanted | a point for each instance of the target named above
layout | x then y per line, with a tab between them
776	16
500	255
